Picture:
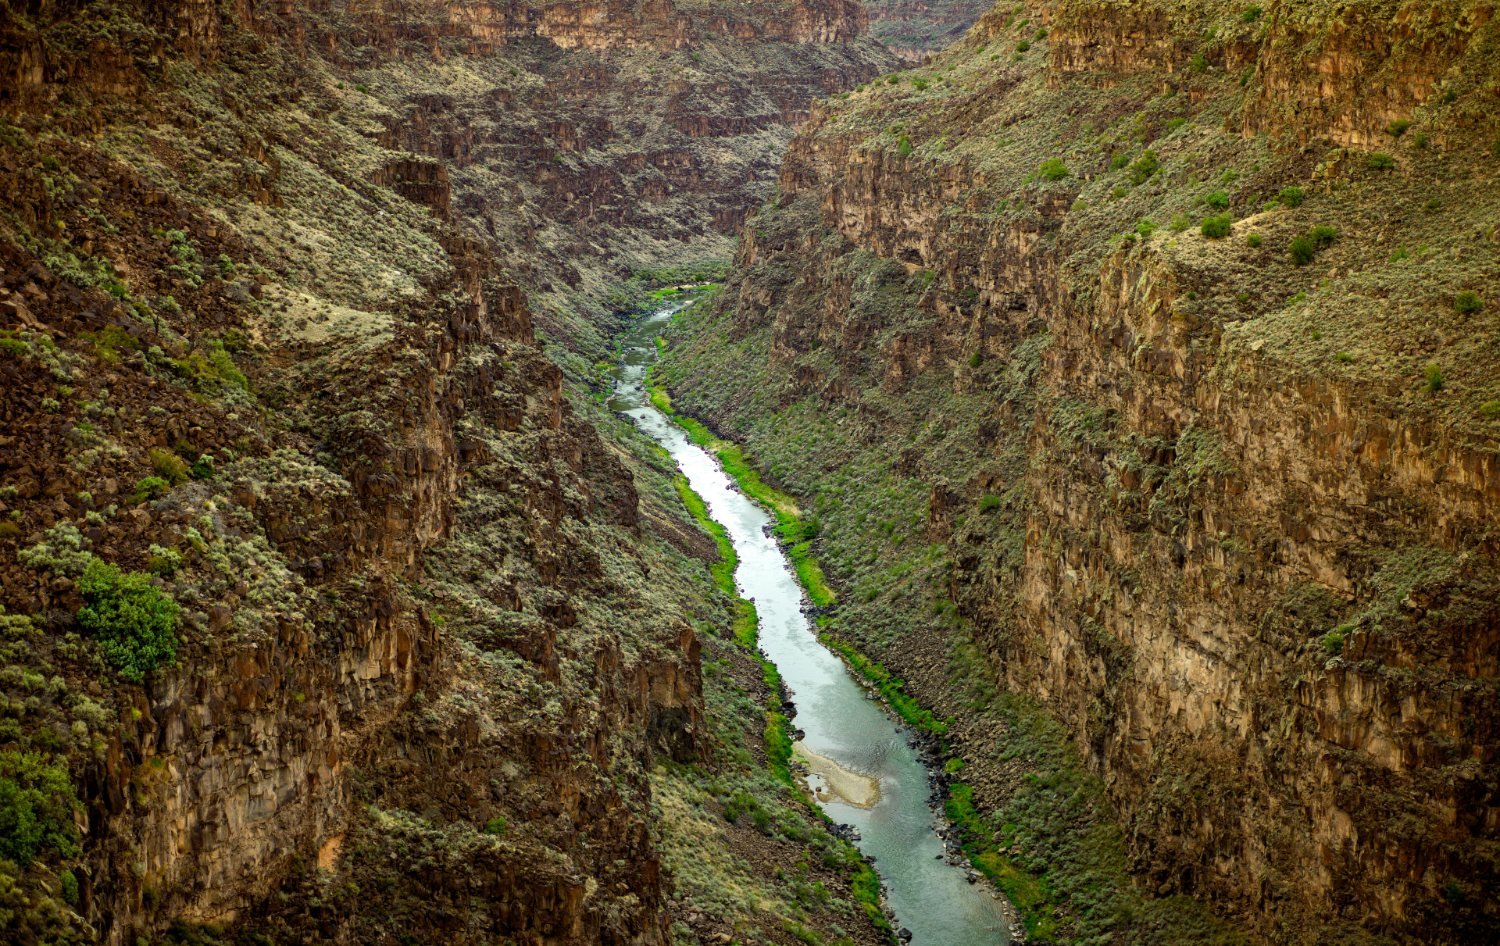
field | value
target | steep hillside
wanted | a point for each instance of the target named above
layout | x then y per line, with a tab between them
330	610
1138	359
915	29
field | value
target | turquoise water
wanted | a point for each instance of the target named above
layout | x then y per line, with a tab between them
929	896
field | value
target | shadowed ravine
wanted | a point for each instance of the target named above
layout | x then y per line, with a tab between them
928	891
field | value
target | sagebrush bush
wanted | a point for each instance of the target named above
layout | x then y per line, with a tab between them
134	622
1292	196
168	465
1216	228
1053	169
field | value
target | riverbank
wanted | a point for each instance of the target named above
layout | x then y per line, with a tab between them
796	534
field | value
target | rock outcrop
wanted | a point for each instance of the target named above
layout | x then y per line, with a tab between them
1220	501
265	349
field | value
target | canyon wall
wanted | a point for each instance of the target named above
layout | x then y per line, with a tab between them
1223	508
266	351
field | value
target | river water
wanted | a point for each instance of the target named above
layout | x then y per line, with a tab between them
864	753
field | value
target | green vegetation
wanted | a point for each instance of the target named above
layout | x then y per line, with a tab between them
1432	378
1144	167
134	623
168	466
891	688
796	533
36	808
1053	169
1216	228
1468	303
1304	248
1380	161
1291	196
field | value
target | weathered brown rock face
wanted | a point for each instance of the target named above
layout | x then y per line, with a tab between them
1199	515
402	588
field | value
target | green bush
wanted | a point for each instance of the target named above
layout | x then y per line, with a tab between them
1254	240
168	465
496	827
903	146
1216	228
1322	235
1144	167
1302	250
149	487
1398	127
1380	161
1053	169
1291	196
1432	377
1180	223
1146	227
1467	303
36	808
1490	410
1218	200
1022	46
1119	162
133	621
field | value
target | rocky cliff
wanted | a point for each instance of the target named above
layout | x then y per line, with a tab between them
1178	326
322	587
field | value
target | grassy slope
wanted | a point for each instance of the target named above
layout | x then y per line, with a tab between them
1408	242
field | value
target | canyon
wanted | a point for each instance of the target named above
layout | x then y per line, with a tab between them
1131	357
1131	362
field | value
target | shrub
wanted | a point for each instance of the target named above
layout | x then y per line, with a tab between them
496	827
203	467
1022	46
1398	127
1053	169
1490	410
919	84
1146	227
1180	223
168	465
989	502
1380	161
1343	357
1467	303
1322	235
133	621
903	146
976	359
1119	162
1199	63
1251	13
1333	642
1143	167
68	885
149	487
1302	250
1291	196
36	808
1216	228
1218	200
1254	240
1432	377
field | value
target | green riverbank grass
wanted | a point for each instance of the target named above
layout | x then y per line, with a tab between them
864	882
797	532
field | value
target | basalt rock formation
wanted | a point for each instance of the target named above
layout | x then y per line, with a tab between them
1178	325
332	611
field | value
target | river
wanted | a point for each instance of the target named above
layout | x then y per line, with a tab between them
863	768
